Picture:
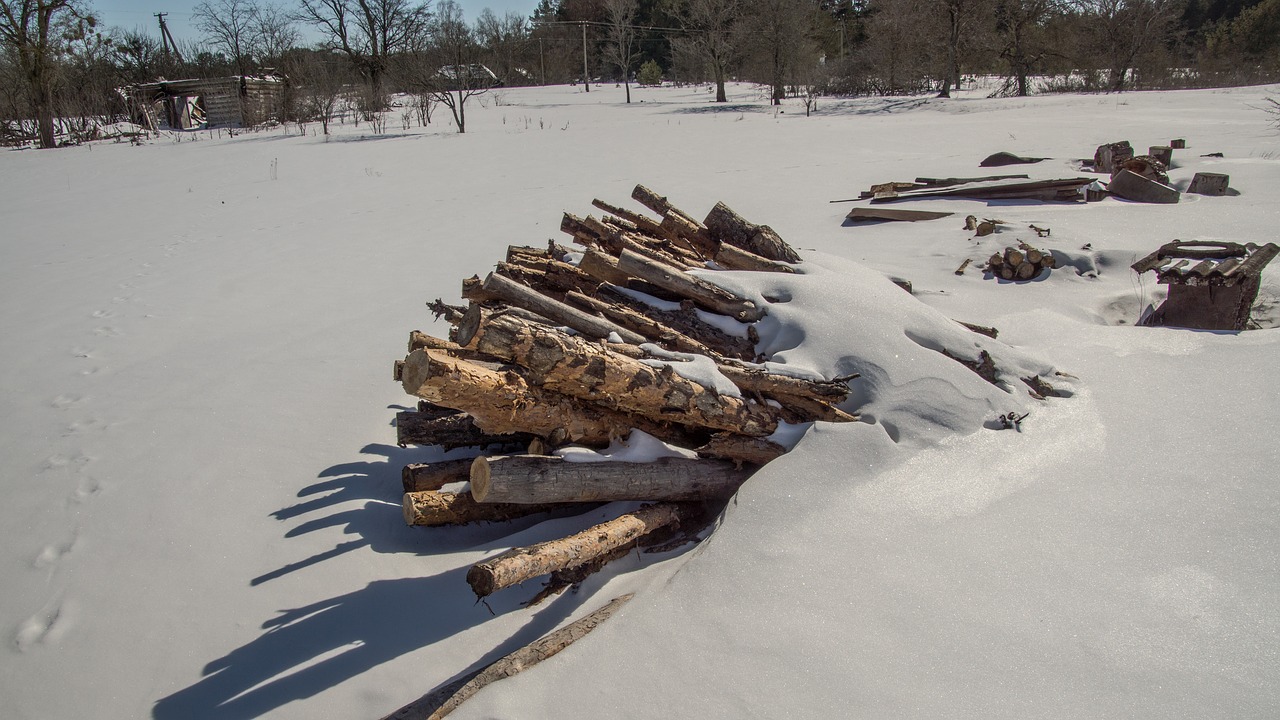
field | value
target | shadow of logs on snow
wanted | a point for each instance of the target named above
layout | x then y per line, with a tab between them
305	650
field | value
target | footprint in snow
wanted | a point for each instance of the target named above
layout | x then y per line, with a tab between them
44	628
64	402
106	331
86	489
102	314
51	554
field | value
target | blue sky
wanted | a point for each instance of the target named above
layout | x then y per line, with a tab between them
131	14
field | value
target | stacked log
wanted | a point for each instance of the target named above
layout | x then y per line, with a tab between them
557	347
1020	263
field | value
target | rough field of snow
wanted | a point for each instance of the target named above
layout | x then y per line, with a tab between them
200	484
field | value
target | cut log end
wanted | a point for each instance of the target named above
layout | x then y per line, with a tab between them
480	478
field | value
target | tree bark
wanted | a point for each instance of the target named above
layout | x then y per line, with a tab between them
730	257
417	477
502	403
727	226
704	294
571	366
449	432
525	563
534	479
428	508
742	449
529	299
642	324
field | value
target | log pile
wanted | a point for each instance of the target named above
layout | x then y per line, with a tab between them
1021	263
585	347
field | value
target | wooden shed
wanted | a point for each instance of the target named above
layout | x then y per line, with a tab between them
1212	285
237	101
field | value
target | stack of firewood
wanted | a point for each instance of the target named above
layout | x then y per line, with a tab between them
559	347
1020	263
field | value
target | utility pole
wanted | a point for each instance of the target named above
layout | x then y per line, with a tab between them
542	60
167	39
586	82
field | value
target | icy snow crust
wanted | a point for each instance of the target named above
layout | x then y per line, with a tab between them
200	485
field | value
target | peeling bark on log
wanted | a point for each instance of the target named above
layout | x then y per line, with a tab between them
502	403
529	299
641	324
478	314
981	329
450	313
428	508
603	267
473	291
450	431
742	449
549	277
734	258
658	203
691	232
572	366
641	222
520	564
533	479
417	477
701	292
438	704
726	226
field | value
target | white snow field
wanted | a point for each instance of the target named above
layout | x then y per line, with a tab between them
199	494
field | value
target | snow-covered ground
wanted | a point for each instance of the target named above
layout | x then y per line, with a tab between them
199	494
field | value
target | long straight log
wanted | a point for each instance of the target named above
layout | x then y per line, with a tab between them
642	324
729	227
501	403
450	431
604	267
658	203
525	563
533	479
701	292
742	449
429	508
417	477
438	704
525	297
679	225
576	367
645	224
730	257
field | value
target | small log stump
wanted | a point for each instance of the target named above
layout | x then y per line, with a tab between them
1214	184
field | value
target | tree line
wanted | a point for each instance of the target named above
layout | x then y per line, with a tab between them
61	73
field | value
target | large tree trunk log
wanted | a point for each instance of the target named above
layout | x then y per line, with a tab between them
525	563
502	403
438	704
536	479
727	226
704	294
417	477
428	508
529	299
450	431
572	366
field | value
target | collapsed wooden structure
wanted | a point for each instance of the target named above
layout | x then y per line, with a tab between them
557	347
236	101
1212	285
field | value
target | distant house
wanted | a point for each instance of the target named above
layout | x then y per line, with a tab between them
237	101
470	77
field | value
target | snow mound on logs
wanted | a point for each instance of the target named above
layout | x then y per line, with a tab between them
837	317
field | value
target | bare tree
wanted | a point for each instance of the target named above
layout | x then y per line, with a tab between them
504	39
274	33
451	72
1122	30
962	21
1020	25
35	32
321	81
711	25
369	32
778	33
620	47
229	26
